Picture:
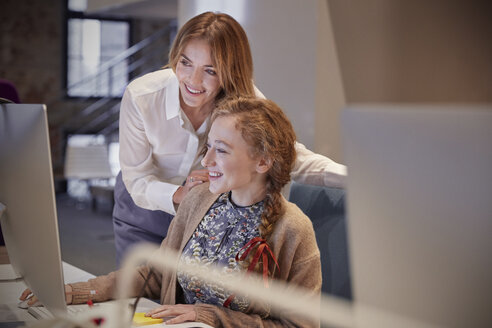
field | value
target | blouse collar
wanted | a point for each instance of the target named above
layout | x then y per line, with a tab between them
226	199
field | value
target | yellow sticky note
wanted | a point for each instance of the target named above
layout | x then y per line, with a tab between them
139	319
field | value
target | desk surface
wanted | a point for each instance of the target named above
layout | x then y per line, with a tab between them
10	291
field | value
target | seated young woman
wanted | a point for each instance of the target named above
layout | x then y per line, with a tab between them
249	157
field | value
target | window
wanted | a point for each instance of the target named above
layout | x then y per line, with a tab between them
92	43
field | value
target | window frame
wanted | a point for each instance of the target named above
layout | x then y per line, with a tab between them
69	14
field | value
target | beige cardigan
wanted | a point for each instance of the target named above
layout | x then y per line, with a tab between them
292	242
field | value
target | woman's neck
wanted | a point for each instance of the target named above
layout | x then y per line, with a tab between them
197	115
248	197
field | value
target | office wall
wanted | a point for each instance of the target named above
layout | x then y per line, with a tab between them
330	90
414	51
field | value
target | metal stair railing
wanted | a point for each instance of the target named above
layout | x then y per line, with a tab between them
110	116
110	64
112	113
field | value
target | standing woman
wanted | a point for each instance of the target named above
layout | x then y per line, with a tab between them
164	117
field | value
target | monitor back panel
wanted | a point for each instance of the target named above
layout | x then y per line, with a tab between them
420	210
29	223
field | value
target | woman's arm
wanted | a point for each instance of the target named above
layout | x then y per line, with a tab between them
137	164
103	288
316	169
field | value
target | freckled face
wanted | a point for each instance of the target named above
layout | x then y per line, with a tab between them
198	80
230	166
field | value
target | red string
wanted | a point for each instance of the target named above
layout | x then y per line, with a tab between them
263	251
96	321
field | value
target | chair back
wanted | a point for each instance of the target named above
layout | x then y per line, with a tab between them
325	207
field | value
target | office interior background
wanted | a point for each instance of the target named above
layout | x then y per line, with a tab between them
311	57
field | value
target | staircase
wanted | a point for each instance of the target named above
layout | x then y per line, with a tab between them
101	115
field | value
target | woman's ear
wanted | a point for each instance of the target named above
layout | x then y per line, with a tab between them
263	165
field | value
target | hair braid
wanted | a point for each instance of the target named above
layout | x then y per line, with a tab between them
272	211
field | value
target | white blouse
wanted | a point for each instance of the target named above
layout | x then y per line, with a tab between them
159	147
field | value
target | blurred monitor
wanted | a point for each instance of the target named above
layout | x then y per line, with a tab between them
420	211
29	221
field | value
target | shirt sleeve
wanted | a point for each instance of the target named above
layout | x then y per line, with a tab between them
316	169
137	166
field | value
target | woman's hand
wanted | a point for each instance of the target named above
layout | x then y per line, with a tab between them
32	299
180	312
68	294
28	295
194	179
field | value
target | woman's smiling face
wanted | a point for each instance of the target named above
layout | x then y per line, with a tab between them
230	165
198	80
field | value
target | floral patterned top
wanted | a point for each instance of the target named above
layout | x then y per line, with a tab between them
223	231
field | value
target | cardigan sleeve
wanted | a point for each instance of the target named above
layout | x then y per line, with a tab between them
159	285
103	288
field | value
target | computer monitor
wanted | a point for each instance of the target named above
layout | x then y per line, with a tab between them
29	221
419	207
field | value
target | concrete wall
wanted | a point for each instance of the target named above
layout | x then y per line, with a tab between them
414	51
30	47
